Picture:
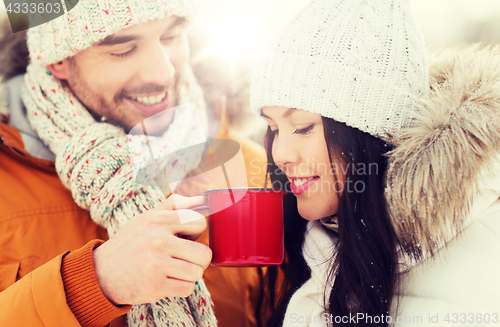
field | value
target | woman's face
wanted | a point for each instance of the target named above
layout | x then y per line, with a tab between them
299	149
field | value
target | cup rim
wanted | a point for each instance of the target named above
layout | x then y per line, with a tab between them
253	189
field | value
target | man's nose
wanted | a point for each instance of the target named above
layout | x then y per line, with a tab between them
157	68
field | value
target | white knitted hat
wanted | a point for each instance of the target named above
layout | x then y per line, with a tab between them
92	20
361	62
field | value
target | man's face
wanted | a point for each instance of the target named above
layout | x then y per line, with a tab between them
133	74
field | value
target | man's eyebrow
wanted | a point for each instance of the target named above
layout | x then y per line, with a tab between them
117	39
120	39
285	114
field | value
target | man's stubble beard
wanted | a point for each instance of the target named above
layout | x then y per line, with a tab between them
97	105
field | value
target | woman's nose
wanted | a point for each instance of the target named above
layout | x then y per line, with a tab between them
284	153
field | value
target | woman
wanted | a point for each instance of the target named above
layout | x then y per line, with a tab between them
395	189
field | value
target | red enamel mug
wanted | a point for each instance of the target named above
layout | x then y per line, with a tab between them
246	227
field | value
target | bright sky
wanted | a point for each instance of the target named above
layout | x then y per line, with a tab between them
238	26
248	23
445	21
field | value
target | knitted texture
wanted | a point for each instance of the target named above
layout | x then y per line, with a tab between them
92	158
360	62
319	251
91	21
93	161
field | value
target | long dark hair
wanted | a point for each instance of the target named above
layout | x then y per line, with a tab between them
364	268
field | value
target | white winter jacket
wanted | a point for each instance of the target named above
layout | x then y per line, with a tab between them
460	284
443	189
443	192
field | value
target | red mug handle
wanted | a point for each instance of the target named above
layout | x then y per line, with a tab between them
199	208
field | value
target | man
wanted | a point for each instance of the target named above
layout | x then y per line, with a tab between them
95	73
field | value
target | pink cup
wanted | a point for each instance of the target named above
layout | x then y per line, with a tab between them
246	227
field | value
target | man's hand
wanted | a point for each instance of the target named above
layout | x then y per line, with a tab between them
146	260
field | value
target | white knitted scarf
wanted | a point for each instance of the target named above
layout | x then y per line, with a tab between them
307	305
94	162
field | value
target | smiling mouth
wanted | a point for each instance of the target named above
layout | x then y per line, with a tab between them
300	181
152	100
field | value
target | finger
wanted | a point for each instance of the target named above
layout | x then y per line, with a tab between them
183	220
191	252
192	217
177	288
192	237
183	270
176	202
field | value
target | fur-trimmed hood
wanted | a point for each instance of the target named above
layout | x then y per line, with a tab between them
437	165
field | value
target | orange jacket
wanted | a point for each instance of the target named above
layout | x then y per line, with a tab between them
40	224
235	291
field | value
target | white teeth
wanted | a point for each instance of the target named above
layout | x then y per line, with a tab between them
300	181
149	101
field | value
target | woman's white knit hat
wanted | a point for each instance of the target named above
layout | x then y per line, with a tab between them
361	62
90	21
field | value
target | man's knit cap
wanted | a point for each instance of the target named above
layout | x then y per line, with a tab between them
90	21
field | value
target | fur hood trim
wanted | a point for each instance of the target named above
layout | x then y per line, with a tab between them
436	166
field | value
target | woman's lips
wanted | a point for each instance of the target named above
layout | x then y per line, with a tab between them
153	109
302	188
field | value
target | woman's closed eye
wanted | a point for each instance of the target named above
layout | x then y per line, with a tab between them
301	131
304	131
